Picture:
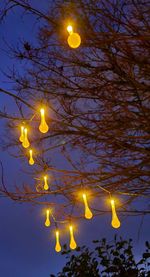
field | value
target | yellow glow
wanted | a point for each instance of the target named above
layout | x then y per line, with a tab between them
69	29
73	244
88	213
43	125
46	186
74	40
25	142
57	246
21	134
31	161
115	220
47	221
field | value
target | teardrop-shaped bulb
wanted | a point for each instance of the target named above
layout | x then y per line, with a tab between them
43	125
73	244
47	220
31	161
46	186
25	142
88	213
57	246
115	220
21	138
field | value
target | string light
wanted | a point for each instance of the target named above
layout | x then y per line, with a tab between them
43	125
25	142
57	246
73	244
88	213
47	220
74	39
21	138
115	220
31	160
46	186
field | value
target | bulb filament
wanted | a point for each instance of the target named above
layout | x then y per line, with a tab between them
70	29
21	138
46	186
47	221
43	125
31	161
115	220
25	142
88	213
73	244
57	246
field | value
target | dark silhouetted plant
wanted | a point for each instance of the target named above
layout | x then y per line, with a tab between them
106	259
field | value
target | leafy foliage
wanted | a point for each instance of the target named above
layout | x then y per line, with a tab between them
116	260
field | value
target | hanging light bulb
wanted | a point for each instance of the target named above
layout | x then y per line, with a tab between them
73	244
43	125
115	220
25	142
31	161
57	246
74	39
21	134
46	186
88	213
47	220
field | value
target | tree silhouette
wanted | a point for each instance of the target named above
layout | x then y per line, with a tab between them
97	104
107	259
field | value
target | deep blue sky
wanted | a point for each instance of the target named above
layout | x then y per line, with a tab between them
26	247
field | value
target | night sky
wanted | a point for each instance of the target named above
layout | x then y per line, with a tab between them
26	247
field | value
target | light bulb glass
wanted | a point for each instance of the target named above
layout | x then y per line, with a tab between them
74	40
25	142
73	244
115	220
31	160
46	186
57	246
88	213
47	220
43	125
21	138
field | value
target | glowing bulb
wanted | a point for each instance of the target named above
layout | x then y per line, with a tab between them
21	138
74	40
46	186
88	213
43	125
73	244
70	29
115	220
57	246
47	221
25	142
31	161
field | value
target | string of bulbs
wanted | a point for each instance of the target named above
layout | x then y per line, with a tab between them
74	41
115	222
